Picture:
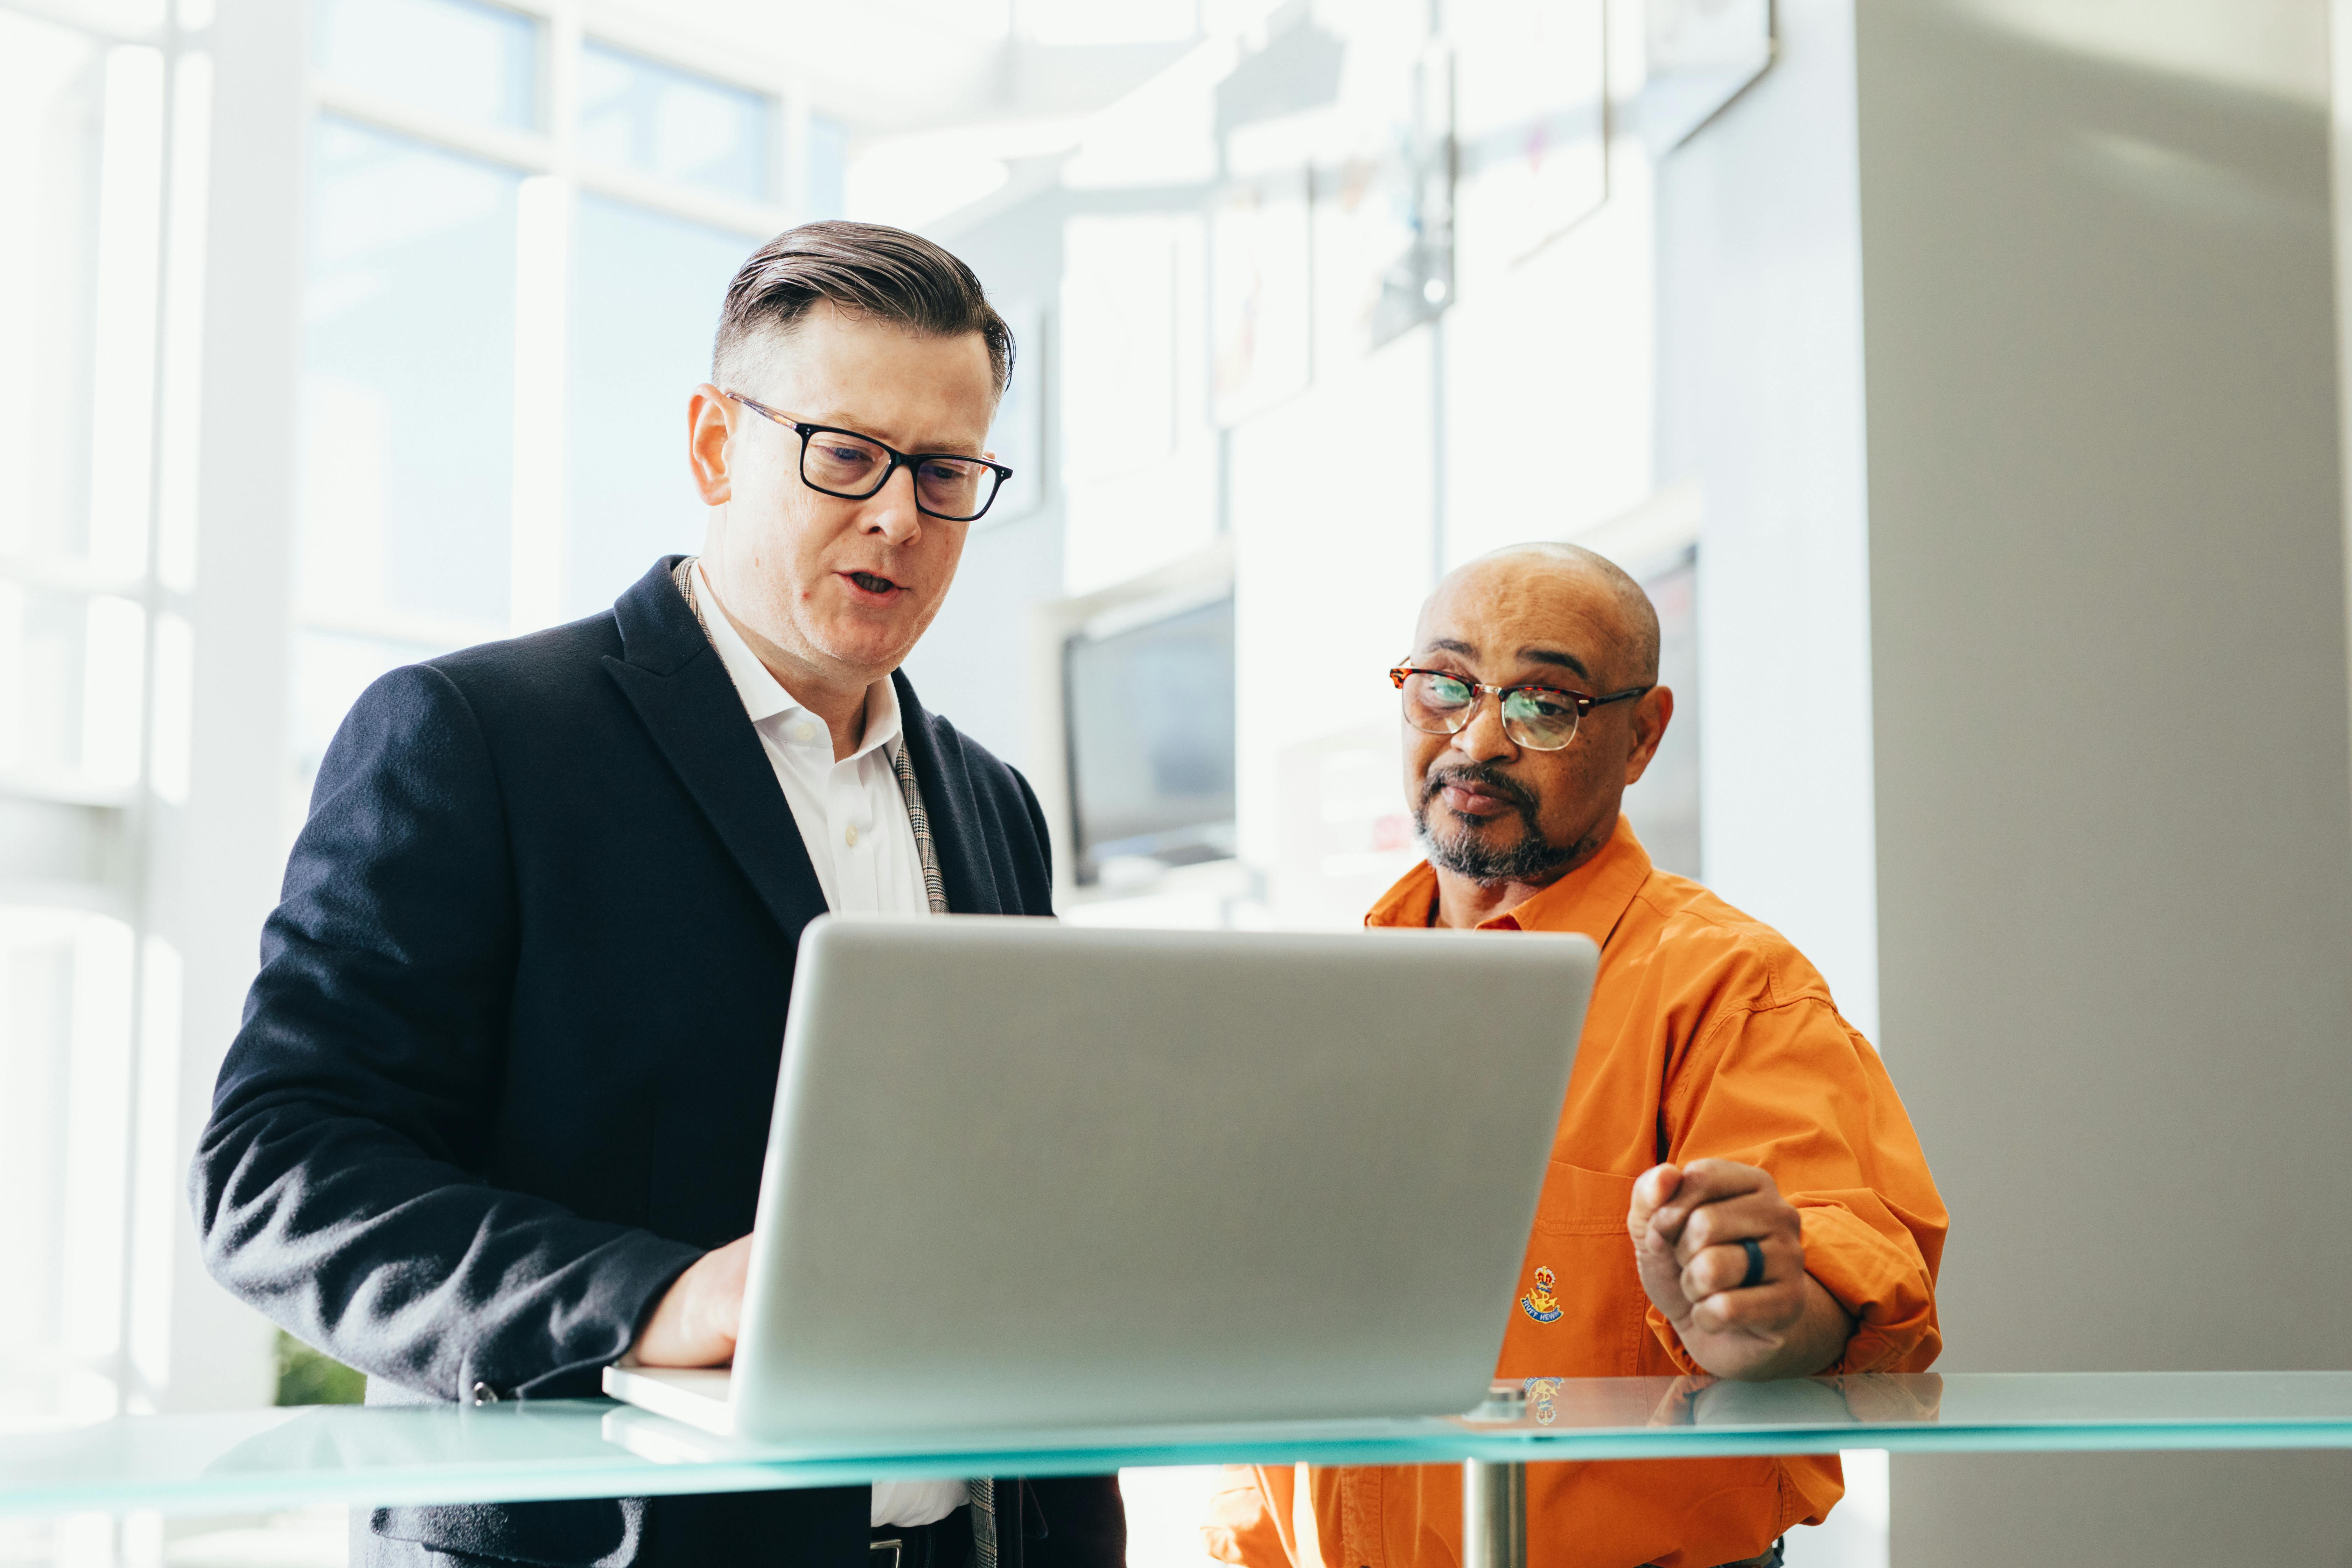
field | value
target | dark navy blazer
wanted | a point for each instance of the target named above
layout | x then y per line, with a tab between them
508	1064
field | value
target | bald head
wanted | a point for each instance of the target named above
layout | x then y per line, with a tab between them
1505	802
1544	580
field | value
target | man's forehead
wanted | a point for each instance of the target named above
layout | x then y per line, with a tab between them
887	381
1550	657
1492	611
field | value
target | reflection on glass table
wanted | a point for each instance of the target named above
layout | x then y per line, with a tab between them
380	1456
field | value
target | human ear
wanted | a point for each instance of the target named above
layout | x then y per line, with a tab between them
1653	711
708	426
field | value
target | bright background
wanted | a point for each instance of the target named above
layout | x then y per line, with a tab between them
338	333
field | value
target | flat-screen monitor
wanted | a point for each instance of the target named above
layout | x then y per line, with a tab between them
1149	711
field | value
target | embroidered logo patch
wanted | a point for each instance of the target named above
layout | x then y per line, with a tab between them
1538	1303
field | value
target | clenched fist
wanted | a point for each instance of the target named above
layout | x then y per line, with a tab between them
1688	1225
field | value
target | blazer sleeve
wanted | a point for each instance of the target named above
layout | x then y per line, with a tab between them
1038	892
336	1186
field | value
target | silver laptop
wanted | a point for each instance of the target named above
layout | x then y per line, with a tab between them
1029	1175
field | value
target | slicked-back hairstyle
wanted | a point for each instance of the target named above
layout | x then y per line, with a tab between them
865	269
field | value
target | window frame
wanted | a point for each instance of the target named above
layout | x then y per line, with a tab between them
555	174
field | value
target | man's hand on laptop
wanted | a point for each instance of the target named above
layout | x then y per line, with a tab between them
695	1322
1692	1227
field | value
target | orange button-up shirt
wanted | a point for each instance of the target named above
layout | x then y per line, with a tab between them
1708	1034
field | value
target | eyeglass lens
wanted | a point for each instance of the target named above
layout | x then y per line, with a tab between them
848	466
1440	705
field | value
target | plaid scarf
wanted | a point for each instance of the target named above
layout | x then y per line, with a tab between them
935	886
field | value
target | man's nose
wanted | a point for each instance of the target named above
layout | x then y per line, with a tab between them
891	512
1483	738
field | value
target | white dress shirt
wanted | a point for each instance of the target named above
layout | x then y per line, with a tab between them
853	820
851	814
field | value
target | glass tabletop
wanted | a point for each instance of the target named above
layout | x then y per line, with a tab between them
571	1448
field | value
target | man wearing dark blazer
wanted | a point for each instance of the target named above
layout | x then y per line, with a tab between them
497	1112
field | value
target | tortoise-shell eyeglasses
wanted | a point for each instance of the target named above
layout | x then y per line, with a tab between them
1540	718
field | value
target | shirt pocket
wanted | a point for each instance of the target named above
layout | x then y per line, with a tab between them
1579	1312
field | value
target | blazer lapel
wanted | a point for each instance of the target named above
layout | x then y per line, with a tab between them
957	829
682	694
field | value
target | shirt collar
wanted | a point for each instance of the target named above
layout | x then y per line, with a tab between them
1589	900
764	697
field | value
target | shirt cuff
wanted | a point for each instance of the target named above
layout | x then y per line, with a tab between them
1888	1293
1885	1286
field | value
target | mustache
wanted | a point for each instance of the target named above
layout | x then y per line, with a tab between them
1487	777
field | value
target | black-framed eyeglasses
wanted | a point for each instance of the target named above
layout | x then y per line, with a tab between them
1540	718
843	463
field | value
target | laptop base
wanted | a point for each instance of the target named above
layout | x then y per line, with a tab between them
696	1395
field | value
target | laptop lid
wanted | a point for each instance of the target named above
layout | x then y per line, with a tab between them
1027	1173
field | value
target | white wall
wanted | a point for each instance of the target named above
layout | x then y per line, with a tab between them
2114	828
1759	405
1760	401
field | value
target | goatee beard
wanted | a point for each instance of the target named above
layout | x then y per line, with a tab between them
1531	859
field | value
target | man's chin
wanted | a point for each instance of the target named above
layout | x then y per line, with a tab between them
1472	838
1490	850
880	643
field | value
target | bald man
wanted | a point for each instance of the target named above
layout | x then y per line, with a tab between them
1735	1188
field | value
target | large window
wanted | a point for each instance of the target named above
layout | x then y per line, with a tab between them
475	64
645	287
408	395
640	114
84	112
516	237
519	234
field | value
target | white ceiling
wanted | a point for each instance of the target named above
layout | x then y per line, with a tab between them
888	66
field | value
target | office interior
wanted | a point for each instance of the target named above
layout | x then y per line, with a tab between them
1963	377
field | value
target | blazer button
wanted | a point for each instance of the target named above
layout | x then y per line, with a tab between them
485	1394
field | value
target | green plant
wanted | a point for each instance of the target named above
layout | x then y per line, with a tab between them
306	1376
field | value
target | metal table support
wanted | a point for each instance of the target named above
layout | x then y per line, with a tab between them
1494	1493
1493	1514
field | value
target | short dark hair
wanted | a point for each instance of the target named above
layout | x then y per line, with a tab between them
863	267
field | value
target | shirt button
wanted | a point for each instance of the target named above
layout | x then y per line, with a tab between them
803	731
851	837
